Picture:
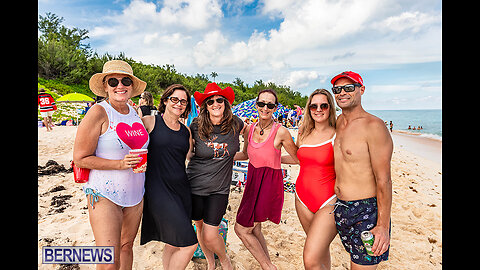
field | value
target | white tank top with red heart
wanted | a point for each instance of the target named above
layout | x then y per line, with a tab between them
125	132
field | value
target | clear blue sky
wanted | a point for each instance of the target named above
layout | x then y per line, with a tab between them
395	45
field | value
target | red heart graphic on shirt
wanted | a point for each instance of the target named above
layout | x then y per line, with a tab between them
135	136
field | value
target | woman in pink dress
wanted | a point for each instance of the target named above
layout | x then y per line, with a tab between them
263	195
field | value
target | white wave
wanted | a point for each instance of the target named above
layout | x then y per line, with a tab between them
431	136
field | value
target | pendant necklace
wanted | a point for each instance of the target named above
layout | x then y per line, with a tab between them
261	129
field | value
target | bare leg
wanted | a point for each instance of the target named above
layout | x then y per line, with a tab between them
354	266
167	255
322	231
209	256
304	215
254	245
257	231
131	222
214	242
106	223
177	257
46	123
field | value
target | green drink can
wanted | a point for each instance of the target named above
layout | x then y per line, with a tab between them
367	239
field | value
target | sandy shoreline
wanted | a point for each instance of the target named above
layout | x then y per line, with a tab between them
425	147
416	213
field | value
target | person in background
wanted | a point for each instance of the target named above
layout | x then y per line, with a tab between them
215	135
363	151
263	195
314	188
47	107
145	104
391	126
109	130
168	204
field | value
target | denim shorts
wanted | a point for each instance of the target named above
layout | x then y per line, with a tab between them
353	217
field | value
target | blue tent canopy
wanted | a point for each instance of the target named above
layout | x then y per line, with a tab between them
248	109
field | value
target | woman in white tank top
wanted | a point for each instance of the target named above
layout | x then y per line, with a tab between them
104	137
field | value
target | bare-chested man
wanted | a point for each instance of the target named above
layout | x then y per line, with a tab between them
363	151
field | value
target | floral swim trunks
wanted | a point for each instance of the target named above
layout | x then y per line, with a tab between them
352	218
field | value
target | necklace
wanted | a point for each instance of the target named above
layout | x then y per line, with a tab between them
261	129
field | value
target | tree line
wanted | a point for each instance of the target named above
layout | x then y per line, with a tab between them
64	57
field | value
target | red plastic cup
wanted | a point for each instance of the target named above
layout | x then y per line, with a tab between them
80	175
142	166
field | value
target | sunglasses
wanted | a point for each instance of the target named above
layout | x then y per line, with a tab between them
314	107
175	100
269	105
126	81
348	88
218	100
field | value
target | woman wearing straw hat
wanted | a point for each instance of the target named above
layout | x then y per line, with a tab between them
109	130
216	139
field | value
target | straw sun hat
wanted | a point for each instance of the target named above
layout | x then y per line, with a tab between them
115	67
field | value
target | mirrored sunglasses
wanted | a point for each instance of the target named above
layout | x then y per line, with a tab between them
348	88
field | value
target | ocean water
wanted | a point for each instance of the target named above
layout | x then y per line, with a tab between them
430	120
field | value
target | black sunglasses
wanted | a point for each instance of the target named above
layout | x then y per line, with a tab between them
269	105
348	88
126	81
218	100
175	100
314	107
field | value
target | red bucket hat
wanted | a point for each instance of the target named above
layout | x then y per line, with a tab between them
213	89
348	74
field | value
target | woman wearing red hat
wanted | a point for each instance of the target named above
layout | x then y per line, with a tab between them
215	133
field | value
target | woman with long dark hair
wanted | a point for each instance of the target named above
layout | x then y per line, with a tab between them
215	135
168	205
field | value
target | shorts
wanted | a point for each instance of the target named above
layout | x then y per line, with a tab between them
46	114
351	219
210	208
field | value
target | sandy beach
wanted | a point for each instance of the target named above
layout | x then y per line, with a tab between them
416	238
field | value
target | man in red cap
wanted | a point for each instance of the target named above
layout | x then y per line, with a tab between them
363	150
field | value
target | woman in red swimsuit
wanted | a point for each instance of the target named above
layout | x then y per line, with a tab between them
315	193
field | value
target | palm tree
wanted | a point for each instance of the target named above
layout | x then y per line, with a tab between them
214	75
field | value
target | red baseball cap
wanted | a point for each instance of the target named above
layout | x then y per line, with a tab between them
348	74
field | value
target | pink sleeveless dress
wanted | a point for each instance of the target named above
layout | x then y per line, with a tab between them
263	195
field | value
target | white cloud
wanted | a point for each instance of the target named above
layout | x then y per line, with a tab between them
314	39
209	50
413	21
192	14
300	78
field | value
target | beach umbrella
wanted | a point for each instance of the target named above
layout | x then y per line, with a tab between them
248	109
75	98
